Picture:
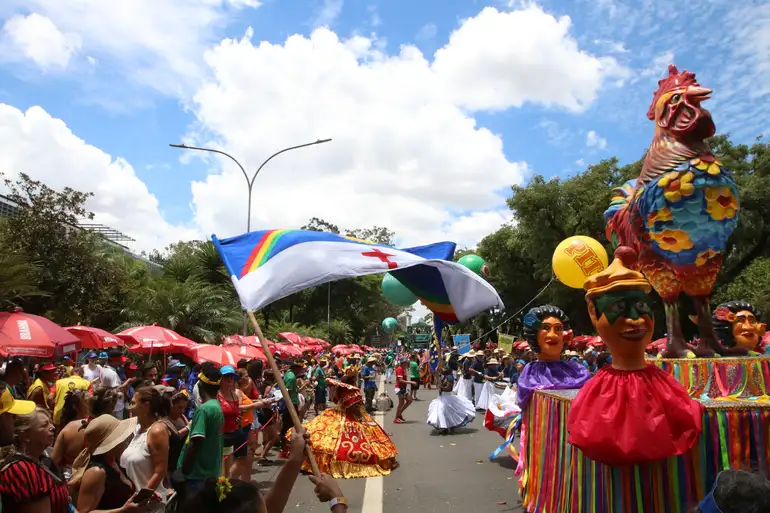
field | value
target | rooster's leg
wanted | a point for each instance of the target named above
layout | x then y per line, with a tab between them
709	344
675	345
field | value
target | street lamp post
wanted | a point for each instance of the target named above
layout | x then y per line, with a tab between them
250	181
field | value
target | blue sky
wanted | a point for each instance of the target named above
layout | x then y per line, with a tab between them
435	107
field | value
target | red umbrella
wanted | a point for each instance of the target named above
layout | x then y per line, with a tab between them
147	339
23	334
246	351
521	344
596	342
95	338
657	345
292	337
253	341
210	353
287	349
580	341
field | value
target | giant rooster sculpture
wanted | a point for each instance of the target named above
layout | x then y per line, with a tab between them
681	210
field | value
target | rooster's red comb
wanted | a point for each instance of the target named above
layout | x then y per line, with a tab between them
674	80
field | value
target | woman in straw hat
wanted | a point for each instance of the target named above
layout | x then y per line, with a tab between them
97	480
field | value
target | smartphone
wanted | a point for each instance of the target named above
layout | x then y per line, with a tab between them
143	496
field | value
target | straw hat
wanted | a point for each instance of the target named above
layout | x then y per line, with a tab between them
470	354
105	432
371	359
493	361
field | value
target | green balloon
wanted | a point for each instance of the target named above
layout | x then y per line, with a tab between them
476	264
389	325
395	292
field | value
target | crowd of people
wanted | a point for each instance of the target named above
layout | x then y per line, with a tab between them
116	435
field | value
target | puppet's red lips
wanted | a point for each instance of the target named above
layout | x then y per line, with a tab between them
634	334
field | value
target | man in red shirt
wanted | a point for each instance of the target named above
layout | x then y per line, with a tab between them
404	400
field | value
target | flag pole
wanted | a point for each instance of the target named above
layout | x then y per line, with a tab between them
284	392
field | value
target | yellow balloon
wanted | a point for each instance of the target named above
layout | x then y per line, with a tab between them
577	258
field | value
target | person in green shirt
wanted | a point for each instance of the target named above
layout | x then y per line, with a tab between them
319	378
201	456
290	381
414	375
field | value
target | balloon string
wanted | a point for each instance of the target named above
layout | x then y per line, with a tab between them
520	310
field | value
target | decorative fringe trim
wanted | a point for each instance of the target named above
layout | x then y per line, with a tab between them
557	478
346	470
747	379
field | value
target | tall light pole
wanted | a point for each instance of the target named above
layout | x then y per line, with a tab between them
250	181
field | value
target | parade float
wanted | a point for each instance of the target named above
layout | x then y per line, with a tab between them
651	435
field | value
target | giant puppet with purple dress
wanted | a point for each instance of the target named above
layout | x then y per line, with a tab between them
651	436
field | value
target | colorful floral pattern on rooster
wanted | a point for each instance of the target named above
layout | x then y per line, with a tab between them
687	215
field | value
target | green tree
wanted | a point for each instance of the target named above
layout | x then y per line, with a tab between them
80	284
17	280
548	211
198	311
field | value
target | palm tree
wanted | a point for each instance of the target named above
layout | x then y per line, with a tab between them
196	310
18	280
339	332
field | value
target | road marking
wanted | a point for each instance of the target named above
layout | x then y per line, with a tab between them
374	488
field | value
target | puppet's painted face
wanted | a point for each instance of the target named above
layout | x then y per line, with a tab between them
624	321
747	330
550	338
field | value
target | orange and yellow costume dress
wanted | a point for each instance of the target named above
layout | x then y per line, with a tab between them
347	441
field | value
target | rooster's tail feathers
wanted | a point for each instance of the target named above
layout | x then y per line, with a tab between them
621	198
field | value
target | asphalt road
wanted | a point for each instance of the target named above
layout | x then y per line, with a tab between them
446	474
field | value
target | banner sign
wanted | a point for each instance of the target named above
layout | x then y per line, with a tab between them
463	343
505	342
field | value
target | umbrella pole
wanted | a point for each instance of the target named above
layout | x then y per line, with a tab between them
284	391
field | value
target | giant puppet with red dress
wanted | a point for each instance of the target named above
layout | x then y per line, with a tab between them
650	436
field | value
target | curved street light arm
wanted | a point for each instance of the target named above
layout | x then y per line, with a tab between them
253	178
185	147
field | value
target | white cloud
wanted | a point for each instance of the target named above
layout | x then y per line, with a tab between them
580	162
403	155
155	44
328	13
426	32
43	147
594	140
498	60
36	38
406	153
557	135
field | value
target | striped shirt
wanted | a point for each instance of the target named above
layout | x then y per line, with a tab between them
23	481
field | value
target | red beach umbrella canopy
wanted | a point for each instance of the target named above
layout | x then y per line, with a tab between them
148	339
210	353
23	334
95	338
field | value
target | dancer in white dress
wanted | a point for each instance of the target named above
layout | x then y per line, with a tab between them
464	386
449	411
489	391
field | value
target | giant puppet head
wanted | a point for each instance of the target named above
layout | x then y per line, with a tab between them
619	306
738	324
546	329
